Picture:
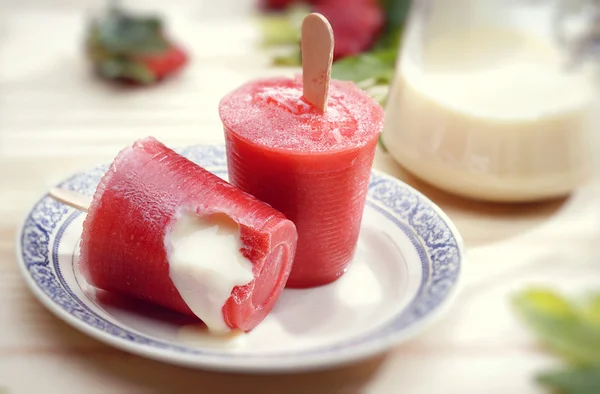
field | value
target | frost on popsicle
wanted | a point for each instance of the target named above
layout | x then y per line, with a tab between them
127	239
273	113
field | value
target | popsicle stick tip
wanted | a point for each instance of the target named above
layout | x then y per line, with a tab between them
71	198
317	58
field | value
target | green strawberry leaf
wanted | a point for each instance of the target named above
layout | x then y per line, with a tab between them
544	301
382	144
121	33
396	13
283	28
567	328
291	59
591	309
277	30
139	73
111	68
376	66
118	68
575	380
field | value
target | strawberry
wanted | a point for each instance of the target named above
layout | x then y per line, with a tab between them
278	5
131	48
356	24
164	63
271	5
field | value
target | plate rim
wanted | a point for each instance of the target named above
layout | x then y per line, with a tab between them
303	363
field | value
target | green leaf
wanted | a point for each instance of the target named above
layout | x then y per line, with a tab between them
573	380
283	28
378	91
291	59
121	33
591	309
277	30
112	68
544	301
377	66
139	73
567	328
382	144
396	13
119	68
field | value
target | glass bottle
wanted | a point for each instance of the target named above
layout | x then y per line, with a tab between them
492	99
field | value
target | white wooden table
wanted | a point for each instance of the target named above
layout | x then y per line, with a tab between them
55	119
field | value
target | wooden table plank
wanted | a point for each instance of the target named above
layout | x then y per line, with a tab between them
56	120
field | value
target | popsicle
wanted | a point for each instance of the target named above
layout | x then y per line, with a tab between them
309	159
162	229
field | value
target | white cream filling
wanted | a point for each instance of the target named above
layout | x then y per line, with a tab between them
205	264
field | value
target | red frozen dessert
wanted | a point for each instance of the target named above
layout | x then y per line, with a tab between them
162	229
314	167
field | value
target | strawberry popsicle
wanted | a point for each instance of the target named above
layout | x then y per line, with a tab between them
162	229
312	166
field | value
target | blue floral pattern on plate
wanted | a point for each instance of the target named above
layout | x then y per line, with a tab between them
436	242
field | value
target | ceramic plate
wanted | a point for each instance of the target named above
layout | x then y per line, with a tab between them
405	272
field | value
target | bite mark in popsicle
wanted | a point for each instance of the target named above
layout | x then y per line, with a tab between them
162	229
205	264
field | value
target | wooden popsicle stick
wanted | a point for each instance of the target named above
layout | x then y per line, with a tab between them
317	57
71	198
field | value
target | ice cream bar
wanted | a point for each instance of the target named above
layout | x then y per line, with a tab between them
162	229
312	166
